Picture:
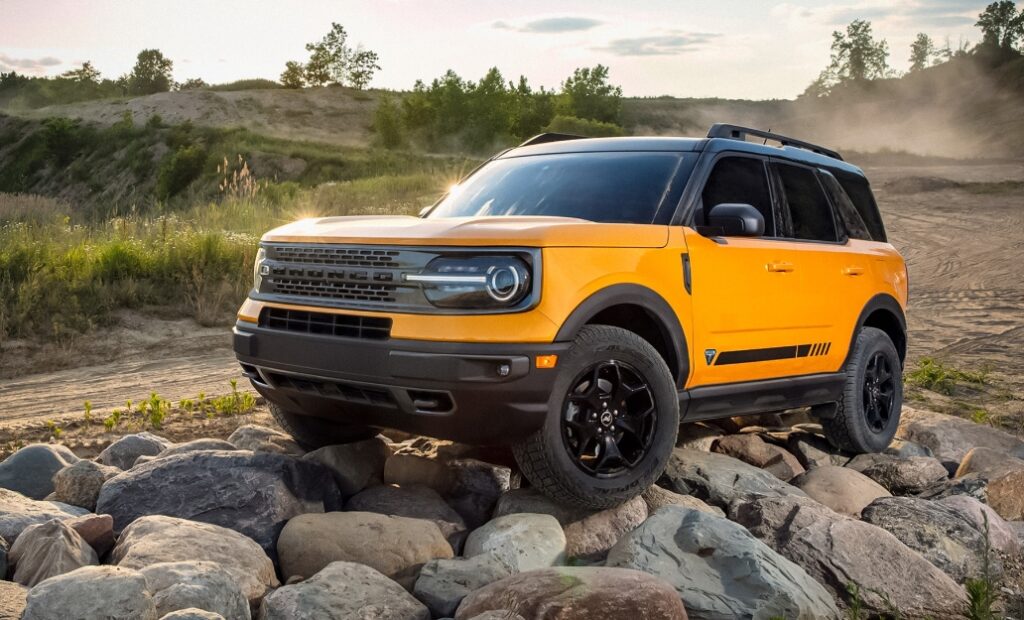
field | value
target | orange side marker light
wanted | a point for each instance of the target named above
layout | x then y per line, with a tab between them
547	361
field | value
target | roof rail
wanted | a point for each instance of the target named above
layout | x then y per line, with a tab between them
735	132
544	138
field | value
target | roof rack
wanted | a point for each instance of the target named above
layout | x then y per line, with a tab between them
544	138
735	132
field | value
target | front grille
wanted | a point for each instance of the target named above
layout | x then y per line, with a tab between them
345	257
345	291
340	390
325	323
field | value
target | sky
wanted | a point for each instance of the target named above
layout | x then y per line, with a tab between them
743	49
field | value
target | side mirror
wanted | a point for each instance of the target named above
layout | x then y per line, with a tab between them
731	219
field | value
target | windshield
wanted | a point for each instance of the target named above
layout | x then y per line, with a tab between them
630	187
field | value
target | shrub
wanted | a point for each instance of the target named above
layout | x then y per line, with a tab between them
179	170
583	127
251	84
387	122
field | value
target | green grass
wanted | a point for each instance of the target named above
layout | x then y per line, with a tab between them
935	375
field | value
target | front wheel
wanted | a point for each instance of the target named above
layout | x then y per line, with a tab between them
312	433
867	416
612	422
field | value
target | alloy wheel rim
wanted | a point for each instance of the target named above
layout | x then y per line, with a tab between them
609	418
879	391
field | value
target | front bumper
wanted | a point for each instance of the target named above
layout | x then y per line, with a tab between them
484	393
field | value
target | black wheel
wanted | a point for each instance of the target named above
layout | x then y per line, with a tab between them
312	433
612	422
867	416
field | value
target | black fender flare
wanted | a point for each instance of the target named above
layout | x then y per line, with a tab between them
647	299
887	303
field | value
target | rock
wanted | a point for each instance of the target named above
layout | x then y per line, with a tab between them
123	452
1002	536
107	592
938	532
196	585
902	448
49	549
79	483
30	470
844	490
971	485
97	530
158	539
409	469
698	436
442	584
951	438
192	614
355	466
264	439
415	502
719	479
395	546
987	463
719	569
813	450
197	445
476	487
1006	495
521	541
498	614
837	550
901	475
18	512
12	600
755	451
656	497
4	550
588	534
343	590
577	593
251	493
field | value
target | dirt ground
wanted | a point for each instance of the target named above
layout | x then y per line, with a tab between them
960	226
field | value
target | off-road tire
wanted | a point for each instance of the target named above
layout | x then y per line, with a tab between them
848	429
312	433
544	458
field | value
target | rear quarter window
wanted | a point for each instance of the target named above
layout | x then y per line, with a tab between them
859	191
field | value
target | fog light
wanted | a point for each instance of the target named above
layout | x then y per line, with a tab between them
504	370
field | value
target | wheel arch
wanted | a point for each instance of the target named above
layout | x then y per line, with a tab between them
640	310
883	312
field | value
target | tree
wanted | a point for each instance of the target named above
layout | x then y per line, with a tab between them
294	75
1001	25
318	69
587	94
151	74
87	73
387	122
361	68
193	84
856	58
530	111
921	52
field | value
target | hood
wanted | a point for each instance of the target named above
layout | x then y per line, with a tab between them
525	231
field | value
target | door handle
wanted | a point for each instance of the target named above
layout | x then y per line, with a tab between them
781	267
853	271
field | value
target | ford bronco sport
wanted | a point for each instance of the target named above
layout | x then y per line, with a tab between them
579	298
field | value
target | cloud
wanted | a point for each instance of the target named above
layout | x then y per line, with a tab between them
919	14
669	44
550	25
35	66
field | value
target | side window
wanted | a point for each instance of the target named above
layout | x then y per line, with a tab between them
852	221
859	191
809	209
742	180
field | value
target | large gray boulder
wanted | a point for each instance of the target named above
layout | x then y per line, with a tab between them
520	541
719	569
415	502
720	480
256	438
204	444
30	470
340	591
12	600
107	592
411	469
79	484
124	452
842	489
813	450
987	463
254	494
157	539
577	593
18	512
356	465
938	532
204	585
903	475
443	583
589	534
396	546
838	551
1002	536
950	438
754	450
49	549
476	487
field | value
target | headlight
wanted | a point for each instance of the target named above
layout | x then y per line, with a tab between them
478	282
259	269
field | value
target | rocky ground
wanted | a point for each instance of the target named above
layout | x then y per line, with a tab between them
754	518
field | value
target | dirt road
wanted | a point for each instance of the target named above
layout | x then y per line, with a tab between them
961	228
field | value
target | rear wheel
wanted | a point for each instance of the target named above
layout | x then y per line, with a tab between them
312	433
867	416
612	422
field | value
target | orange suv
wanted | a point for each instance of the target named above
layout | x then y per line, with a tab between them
579	298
